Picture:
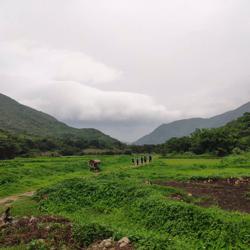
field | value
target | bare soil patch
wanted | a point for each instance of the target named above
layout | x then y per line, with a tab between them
51	232
12	198
54	231
231	194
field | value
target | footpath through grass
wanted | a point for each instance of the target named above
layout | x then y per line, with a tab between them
121	201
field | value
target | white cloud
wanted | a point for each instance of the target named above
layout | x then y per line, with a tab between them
29	60
73	101
60	83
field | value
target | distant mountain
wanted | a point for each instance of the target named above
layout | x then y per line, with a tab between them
21	119
187	126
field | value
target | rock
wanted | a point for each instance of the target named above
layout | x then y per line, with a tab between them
124	239
106	243
123	242
33	220
237	182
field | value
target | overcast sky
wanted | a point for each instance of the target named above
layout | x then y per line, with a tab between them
126	66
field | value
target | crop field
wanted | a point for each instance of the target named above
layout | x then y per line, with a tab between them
167	204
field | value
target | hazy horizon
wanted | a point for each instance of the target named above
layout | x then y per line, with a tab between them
125	67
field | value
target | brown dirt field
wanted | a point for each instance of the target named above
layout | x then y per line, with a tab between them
229	194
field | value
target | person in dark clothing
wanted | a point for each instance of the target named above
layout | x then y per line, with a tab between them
142	160
137	161
7	217
145	159
150	158
133	161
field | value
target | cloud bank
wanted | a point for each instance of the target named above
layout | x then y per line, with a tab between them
125	67
65	85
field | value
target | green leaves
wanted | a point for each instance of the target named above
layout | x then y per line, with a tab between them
145	207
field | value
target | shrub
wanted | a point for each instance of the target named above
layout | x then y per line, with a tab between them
87	234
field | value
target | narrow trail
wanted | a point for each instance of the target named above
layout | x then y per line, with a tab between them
12	198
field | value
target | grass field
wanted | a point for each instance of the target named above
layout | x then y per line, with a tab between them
124	201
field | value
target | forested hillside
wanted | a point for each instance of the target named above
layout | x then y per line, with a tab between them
233	137
26	131
18	118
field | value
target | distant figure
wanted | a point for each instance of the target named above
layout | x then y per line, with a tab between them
133	161
94	165
142	160
145	159
137	161
150	158
6	216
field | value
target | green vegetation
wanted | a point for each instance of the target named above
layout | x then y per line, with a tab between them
141	211
12	145
185	127
122	201
231	138
26	174
26	131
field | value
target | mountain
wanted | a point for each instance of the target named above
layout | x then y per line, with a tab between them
20	119
187	126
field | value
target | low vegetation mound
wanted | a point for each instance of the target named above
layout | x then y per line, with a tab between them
142	212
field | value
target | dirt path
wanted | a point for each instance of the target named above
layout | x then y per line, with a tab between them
12	198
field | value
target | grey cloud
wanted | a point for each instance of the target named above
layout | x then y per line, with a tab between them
168	59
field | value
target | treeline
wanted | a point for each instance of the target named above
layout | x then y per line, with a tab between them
231	138
13	145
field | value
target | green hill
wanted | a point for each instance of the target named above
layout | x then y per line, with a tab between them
187	126
18	118
234	137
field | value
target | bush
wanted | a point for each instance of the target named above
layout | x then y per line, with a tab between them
237	151
87	234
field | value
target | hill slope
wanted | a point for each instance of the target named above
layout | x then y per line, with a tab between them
18	119
187	126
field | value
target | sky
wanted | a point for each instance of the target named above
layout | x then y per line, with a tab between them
126	66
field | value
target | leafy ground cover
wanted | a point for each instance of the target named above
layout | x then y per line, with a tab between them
123	201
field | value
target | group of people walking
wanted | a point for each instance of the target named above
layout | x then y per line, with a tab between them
144	159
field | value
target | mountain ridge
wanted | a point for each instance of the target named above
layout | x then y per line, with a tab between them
18	118
185	127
